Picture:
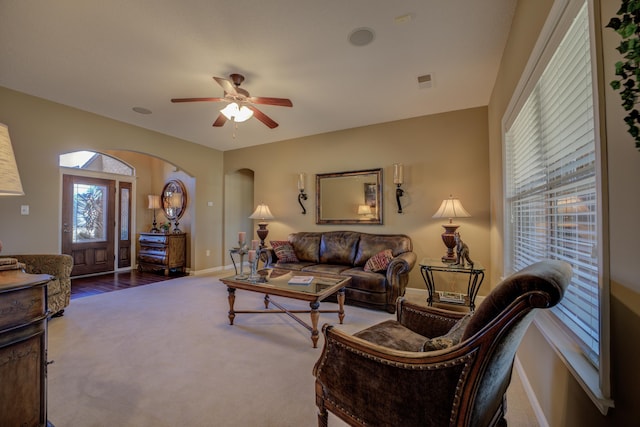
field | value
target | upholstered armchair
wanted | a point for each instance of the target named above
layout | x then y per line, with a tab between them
434	367
59	288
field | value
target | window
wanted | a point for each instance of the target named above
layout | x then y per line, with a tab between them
553	192
98	162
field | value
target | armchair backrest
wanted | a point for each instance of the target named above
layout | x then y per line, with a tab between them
497	328
542	284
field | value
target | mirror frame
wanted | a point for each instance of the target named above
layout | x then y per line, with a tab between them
376	219
173	186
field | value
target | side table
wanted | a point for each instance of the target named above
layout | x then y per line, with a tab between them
476	276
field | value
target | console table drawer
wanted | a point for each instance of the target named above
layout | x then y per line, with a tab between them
21	306
162	251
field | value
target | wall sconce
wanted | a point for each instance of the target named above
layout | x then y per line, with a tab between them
398	179
154	203
450	208
302	196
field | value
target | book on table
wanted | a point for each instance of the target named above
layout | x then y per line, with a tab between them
301	280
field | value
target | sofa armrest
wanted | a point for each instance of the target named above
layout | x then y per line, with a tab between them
398	275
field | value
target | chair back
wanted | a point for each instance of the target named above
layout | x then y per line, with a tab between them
499	325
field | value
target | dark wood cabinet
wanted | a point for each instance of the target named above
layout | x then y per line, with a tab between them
23	349
162	251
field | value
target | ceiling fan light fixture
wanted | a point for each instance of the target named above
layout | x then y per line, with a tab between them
238	114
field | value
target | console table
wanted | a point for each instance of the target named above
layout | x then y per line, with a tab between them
476	275
23	348
162	251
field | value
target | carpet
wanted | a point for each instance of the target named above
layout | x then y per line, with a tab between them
165	355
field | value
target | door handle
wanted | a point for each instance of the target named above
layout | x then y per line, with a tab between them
65	228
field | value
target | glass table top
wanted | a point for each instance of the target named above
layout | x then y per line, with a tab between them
280	279
438	265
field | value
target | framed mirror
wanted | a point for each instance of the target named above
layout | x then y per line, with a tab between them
349	197
174	199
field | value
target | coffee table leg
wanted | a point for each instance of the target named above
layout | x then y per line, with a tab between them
341	305
232	300
315	315
266	300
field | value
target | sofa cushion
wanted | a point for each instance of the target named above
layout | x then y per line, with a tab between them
284	251
371	244
325	268
294	266
339	247
306	245
379	262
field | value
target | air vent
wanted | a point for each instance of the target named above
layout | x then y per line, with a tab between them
425	81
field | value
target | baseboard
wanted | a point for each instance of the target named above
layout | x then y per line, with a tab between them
533	400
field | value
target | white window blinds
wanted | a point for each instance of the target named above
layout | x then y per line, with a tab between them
551	185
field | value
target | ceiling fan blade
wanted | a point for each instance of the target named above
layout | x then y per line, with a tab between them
220	121
227	86
280	102
197	99
262	117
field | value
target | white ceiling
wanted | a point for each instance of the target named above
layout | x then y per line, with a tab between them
107	57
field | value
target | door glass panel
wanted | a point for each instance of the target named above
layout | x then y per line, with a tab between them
89	213
124	214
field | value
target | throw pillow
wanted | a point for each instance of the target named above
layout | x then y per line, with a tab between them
284	251
379	262
450	339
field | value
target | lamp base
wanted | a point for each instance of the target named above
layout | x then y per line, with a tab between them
449	239
262	233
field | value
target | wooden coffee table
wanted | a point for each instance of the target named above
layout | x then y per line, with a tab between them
275	282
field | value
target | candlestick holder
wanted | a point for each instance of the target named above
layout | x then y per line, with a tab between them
242	251
254	276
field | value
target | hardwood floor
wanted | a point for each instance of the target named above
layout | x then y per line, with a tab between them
93	285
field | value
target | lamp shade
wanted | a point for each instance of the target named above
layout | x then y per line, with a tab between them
364	210
451	208
10	184
262	212
154	201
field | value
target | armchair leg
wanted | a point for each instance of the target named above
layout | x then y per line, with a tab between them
323	417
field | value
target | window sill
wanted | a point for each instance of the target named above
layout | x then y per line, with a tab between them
584	372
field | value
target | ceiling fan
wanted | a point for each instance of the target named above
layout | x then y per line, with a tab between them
240	104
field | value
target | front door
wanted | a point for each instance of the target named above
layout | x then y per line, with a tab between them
88	223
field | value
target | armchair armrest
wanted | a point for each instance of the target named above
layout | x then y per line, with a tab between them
424	320
351	372
57	265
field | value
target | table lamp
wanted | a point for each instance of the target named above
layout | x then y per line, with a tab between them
154	203
261	213
450	208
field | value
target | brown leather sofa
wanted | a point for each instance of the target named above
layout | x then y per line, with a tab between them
345	253
59	288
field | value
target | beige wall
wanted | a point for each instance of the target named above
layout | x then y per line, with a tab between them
41	130
442	154
560	397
